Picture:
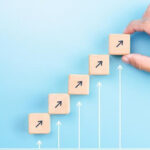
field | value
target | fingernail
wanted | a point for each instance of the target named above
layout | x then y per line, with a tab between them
125	59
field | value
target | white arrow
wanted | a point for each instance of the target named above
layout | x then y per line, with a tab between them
120	105
58	128
79	105
99	114
39	144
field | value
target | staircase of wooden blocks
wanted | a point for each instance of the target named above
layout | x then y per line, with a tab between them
39	123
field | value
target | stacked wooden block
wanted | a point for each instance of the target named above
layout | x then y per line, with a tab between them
39	123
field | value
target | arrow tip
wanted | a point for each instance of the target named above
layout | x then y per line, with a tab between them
120	67
59	102
99	84
79	104
58	123
80	82
39	142
41	122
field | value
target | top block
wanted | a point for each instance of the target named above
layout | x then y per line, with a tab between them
119	44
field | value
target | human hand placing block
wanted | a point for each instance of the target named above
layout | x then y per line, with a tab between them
119	44
59	103
39	123
78	85
99	64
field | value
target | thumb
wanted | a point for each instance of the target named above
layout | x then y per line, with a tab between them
138	61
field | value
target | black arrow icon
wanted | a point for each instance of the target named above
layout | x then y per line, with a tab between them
100	63
40	122
120	43
58	103
79	84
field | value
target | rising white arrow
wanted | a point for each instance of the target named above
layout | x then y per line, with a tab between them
79	105
120	105
39	144
99	114
58	130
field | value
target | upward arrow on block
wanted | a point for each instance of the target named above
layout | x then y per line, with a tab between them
79	84
100	63
120	43
120	105
39	144
99	114
79	105
40	122
59	103
58	136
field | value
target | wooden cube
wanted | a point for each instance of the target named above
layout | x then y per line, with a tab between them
59	103
119	44
99	64
78	85
39	123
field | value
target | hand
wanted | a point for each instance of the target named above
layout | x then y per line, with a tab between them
142	25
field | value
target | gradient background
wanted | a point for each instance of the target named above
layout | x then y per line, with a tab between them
41	43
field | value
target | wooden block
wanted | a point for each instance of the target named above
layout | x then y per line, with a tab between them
39	123
99	64
59	103
119	44
78	85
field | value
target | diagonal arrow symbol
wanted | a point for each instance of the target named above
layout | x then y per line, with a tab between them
59	103
79	84
120	43
100	63
40	122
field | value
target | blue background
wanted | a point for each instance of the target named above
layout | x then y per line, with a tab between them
41	43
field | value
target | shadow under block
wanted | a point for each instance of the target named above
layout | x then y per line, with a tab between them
99	64
59	103
78	85
119	44
39	123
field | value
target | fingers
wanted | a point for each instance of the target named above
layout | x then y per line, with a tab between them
140	25
134	26
138	61
147	12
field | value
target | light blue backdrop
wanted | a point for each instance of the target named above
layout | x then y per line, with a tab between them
41	43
